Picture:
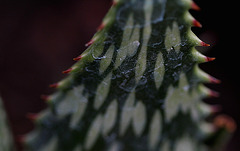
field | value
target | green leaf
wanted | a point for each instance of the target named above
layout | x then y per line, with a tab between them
137	86
6	140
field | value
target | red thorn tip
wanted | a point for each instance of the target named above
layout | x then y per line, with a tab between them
216	108
32	116
89	43
55	85
196	23
77	58
225	122
204	44
114	3
194	6
214	80
100	27
214	94
45	97
67	71
209	59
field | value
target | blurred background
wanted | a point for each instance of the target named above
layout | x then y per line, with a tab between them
39	38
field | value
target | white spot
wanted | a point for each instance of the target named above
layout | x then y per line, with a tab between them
76	116
97	50
185	144
148	8
114	147
93	132
139	118
129	43
177	37
155	130
171	104
159	70
141	64
71	102
102	91
142	56
78	93
127	112
110	117
124	51
122	54
173	38
132	48
207	128
51	145
168	39
165	146
180	98
78	148
106	59
136	43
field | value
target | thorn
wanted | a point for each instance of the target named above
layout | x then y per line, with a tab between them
214	80
200	58
204	44
215	109
196	23
67	71
77	58
194	6
89	43
45	97
224	121
114	3
32	116
213	94
208	59
55	85
100	27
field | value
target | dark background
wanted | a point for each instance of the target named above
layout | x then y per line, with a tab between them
39	38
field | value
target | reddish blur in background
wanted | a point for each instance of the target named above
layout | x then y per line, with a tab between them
39	38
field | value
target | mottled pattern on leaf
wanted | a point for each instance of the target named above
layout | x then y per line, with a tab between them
173	38
176	100
139	118
94	132
137	86
127	113
102	91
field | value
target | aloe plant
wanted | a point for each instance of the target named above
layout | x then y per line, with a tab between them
137	87
6	140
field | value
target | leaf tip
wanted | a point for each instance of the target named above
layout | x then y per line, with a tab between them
77	58
114	2
101	26
208	59
214	80
45	97
213	94
195	7
89	43
54	85
32	116
67	71
196	23
204	44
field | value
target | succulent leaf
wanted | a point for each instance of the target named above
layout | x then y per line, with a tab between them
137	86
6	140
